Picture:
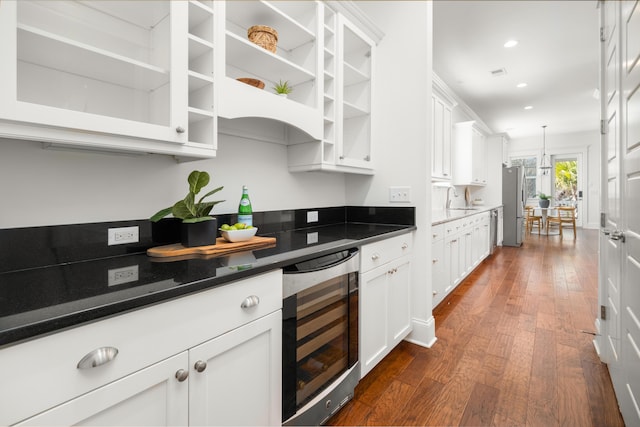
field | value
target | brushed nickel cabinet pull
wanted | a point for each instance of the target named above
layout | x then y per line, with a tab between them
250	301
182	375
98	357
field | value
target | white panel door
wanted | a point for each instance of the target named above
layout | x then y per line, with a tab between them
236	378
610	249
399	294
374	312
620	254
630	220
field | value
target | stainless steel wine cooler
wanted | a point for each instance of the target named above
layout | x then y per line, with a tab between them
320	337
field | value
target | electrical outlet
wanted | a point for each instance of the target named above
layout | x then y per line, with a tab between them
119	276
312	216
400	194
122	235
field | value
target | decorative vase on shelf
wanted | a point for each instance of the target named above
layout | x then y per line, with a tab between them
544	203
283	95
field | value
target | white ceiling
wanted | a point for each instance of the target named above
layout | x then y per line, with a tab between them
557	56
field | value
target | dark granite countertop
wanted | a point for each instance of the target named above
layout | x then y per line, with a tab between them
37	301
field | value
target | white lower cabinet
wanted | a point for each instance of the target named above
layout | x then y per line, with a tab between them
385	299
241	379
209	358
465	245
438	272
152	397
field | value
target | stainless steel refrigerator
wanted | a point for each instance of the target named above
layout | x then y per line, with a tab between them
513	202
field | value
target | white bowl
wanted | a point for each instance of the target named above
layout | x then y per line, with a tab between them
238	235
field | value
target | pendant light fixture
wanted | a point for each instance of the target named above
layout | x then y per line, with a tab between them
545	162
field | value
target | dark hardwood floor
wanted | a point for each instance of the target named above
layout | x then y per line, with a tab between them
514	349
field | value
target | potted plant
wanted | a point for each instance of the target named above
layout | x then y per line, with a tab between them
283	88
544	200
198	228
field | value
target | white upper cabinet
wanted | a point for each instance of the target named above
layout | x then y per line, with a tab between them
118	72
162	77
347	78
355	68
469	155
442	105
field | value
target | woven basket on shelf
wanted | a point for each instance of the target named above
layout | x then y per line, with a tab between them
252	82
263	36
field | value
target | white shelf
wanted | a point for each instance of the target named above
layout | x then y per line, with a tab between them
198	13
353	76
198	81
197	114
70	56
238	100
253	59
291	34
198	47
351	111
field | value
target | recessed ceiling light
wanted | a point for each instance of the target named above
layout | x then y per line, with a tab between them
511	43
528	107
521	85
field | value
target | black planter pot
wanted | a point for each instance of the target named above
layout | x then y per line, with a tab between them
166	231
544	203
201	233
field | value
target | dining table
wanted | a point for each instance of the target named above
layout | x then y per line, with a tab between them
544	212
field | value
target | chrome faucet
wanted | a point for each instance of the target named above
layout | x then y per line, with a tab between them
448	204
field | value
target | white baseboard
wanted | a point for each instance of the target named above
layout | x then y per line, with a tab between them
424	332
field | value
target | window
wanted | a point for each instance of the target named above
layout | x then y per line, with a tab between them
530	165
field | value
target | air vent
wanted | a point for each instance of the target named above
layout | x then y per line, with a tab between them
499	72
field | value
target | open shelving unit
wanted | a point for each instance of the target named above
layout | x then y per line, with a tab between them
297	60
356	52
202	116
94	58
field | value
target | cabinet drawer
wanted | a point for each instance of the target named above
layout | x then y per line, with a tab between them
452	227
437	232
379	253
142	338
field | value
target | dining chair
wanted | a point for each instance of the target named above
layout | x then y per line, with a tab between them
531	219
564	215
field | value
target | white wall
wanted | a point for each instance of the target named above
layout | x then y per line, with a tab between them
402	137
587	143
52	187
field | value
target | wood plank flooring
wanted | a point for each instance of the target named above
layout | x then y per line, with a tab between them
511	351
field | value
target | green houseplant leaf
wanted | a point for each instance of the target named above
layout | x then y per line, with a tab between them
197	180
187	209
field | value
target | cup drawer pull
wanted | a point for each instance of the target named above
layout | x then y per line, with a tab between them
98	357
250	301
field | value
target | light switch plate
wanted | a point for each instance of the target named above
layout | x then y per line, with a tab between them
400	194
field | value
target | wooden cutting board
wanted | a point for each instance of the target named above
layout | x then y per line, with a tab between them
221	247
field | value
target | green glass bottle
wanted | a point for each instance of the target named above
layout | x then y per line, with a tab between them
245	213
